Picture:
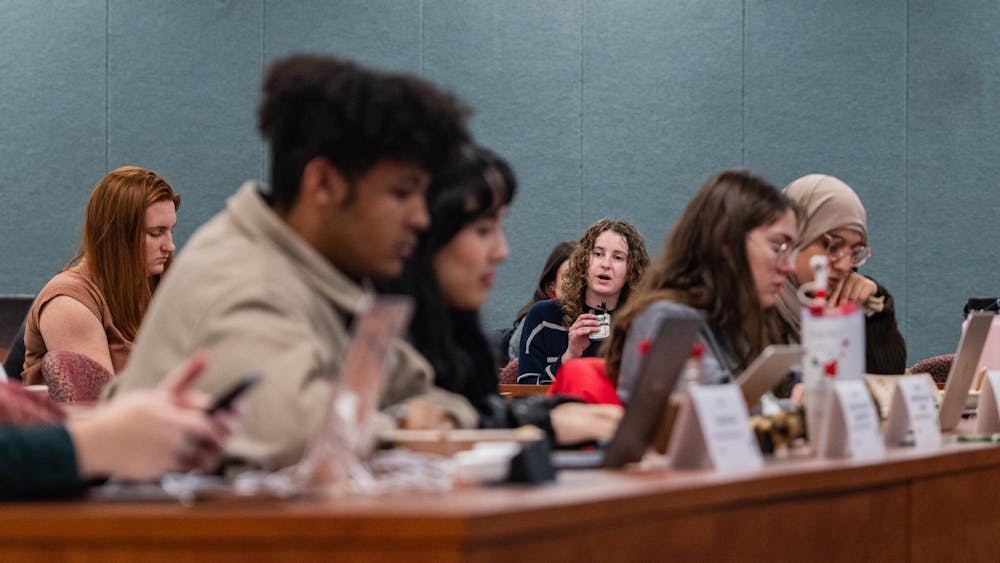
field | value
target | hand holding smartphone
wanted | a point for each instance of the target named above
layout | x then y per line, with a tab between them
225	400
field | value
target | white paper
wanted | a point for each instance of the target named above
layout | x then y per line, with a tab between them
913	408
713	430
851	426
987	413
832	343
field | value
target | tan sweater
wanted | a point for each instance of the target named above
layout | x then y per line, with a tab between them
259	299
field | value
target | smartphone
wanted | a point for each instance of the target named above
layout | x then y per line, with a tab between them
225	400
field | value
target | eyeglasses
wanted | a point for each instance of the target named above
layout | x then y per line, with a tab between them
837	248
784	252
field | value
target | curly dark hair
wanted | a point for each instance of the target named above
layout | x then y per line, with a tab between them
318	105
575	282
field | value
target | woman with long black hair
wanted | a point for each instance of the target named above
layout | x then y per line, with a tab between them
451	274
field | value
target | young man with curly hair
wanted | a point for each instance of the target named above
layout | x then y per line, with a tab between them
271	284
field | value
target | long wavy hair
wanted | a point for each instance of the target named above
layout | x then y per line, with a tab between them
575	282
705	265
114	242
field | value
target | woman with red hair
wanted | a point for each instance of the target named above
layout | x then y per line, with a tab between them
95	305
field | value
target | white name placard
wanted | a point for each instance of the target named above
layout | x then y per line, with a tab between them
851	426
713	430
987	412
913	408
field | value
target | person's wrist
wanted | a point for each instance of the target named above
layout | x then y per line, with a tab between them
88	446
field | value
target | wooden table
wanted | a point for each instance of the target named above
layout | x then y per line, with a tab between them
913	506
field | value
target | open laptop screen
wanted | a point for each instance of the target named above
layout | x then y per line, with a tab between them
648	402
963	368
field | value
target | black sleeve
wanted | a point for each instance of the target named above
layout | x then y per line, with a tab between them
885	347
531	409
37	462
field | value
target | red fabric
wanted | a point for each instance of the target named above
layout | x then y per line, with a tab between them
73	378
585	379
20	407
508	375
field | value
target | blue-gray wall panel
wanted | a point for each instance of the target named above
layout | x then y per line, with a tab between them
518	65
603	108
52	117
825	91
662	107
383	33
954	140
184	78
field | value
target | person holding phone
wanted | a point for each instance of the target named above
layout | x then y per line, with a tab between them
95	305
138	437
727	258
272	283
834	224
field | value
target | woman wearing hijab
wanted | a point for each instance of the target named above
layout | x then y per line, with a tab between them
834	223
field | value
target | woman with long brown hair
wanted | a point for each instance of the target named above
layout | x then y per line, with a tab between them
95	305
602	272
727	257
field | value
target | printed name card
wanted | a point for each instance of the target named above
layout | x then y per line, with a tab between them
851	426
987	413
713	430
913	407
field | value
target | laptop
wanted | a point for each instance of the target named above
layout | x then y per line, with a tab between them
638	427
963	368
767	370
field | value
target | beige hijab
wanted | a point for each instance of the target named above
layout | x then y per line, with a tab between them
826	204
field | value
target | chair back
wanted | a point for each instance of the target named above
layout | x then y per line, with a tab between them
937	366
14	362
13	310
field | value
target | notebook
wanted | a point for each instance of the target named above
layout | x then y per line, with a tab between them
767	370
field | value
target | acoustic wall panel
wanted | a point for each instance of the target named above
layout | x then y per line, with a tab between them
52	111
662	107
825	92
518	65
954	163
183	87
381	33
